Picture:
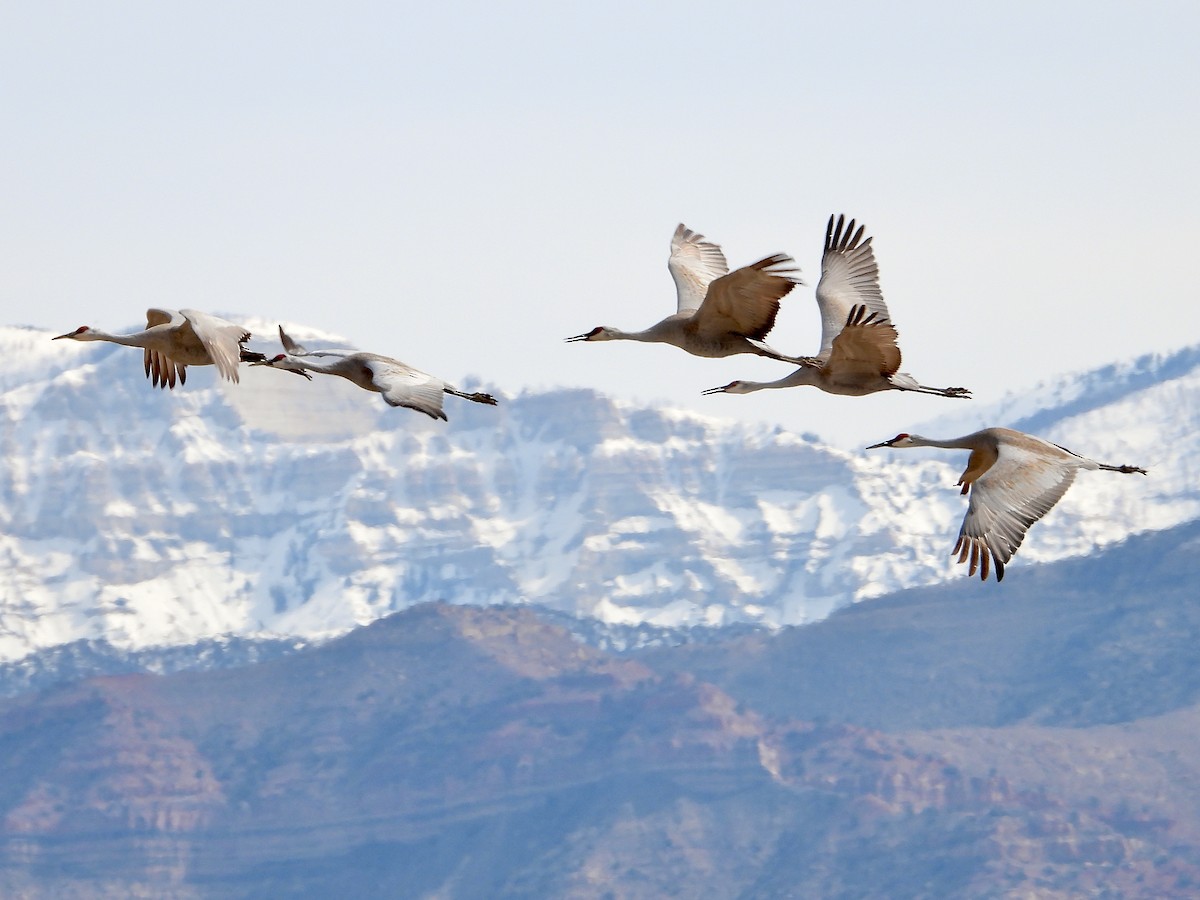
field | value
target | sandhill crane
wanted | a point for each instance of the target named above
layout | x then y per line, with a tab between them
859	354
1014	479
176	339
400	384
719	312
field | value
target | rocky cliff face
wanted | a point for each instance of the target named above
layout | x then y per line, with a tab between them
458	752
280	507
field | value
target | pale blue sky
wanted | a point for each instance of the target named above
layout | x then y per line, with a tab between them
463	185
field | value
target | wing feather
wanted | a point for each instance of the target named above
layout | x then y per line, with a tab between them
290	347
1006	500
746	300
694	264
156	316
865	348
405	386
222	340
162	370
849	278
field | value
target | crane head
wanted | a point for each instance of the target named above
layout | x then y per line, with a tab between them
77	334
599	333
900	440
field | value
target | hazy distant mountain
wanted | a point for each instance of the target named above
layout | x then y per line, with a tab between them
65	663
1101	640
278	507
457	752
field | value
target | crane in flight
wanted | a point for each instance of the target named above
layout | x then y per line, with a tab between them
859	351
1014	479
719	313
176	339
400	384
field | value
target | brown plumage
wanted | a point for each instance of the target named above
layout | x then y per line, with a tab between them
719	313
859	351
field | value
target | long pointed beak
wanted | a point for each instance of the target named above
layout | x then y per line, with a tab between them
716	390
61	336
884	444
588	336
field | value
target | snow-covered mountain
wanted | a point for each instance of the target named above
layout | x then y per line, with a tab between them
281	507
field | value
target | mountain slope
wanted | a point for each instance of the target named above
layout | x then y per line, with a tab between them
1107	639
455	752
278	507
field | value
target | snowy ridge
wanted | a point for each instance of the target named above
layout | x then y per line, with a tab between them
279	507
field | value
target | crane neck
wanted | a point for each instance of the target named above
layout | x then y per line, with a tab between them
967	442
140	339
313	363
805	375
650	335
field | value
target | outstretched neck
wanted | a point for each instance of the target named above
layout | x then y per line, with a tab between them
650	335
961	443
320	364
125	340
803	376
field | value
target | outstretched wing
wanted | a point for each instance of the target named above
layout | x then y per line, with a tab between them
220	338
405	386
160	368
290	347
746	300
695	263
865	347
156	316
1018	489
849	278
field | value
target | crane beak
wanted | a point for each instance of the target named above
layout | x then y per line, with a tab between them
884	444
716	390
585	337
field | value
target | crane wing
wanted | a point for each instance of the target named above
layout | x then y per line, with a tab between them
694	264
290	347
1018	489
849	278
220	338
156	316
746	300
160	368
405	386
865	347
